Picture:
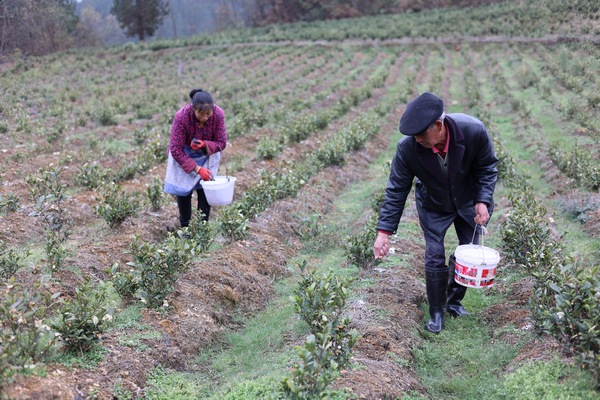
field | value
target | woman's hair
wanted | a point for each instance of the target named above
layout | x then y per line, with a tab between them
201	100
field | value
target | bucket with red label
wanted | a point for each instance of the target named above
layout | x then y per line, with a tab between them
475	265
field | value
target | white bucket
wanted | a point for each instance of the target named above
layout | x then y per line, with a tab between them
475	265
220	191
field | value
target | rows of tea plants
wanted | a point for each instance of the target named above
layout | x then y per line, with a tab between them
565	285
305	108
144	252
531	18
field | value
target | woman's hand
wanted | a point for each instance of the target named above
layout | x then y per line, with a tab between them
197	144
205	174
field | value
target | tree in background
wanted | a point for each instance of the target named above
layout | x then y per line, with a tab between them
139	18
37	27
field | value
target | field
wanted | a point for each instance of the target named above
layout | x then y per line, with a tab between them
312	124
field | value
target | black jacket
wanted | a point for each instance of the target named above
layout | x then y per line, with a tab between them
471	178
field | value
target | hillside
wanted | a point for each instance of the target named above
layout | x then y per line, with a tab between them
295	96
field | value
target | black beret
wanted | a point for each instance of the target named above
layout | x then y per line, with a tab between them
420	114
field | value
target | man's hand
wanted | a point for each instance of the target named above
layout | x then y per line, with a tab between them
481	213
205	174
381	246
197	144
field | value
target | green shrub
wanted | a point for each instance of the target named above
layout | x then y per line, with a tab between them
158	267
269	147
126	283
525	228
578	165
9	203
566	304
507	170
116	205
57	222
320	302
155	194
334	152
313	233
377	200
25	337
106	115
233	224
11	260
201	233
82	319
93	176
6	371
359	247
314	373
140	136
126	172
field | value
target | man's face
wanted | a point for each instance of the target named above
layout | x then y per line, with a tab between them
431	136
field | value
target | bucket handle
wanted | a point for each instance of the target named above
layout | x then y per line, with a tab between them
483	233
225	165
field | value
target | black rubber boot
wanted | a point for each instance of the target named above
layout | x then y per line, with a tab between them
456	293
436	281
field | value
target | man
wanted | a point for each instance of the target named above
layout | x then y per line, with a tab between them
453	159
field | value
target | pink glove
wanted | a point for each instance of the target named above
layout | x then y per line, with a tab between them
197	144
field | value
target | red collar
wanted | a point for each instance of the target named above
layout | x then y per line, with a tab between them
445	151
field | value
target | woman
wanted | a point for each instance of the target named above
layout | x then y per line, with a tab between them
198	132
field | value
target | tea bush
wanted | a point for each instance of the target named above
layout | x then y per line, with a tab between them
314	373
158	267
6	371
9	203
11	260
126	283
578	165
566	304
269	147
201	233
116	205
315	235
25	336
359	247
320	302
302	126
334	152
377	200
525	228
57	222
233	224
155	194
82	319
93	176
565	299
246	115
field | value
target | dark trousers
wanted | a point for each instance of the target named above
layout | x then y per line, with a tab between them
184	203
435	254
